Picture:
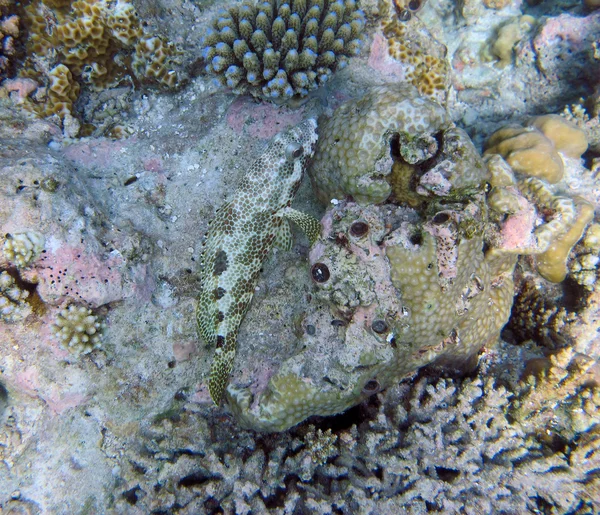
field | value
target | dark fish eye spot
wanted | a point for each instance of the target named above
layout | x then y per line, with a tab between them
371	387
441	218
379	326
359	229
413	5
404	15
320	272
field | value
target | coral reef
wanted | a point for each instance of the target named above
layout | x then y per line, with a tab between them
22	248
92	43
539	152
77	329
410	43
353	151
9	32
508	35
13	300
276	50
453	446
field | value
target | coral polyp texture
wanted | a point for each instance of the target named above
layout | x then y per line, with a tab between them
97	43
77	329
353	152
20	249
276	49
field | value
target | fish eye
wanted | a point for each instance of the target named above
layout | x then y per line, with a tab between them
320	273
414	5
294	151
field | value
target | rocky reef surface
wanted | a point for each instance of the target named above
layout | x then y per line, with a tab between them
455	178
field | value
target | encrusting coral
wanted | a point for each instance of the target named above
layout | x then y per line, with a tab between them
98	43
410	43
275	49
23	248
77	329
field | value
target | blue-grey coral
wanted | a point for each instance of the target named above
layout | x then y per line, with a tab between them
277	49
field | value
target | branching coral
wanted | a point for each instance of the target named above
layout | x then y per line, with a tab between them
78	330
13	300
22	248
276	49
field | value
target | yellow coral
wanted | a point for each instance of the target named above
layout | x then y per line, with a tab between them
567	138
552	264
98	41
411	44
527	151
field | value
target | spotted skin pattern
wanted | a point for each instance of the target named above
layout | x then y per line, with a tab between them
240	237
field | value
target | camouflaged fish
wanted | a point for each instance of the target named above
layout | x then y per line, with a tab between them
239	240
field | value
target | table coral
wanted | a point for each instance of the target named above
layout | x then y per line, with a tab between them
353	152
276	50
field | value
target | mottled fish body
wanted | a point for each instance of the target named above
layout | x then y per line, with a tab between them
239	240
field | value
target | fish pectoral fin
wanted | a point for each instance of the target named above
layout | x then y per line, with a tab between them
283	240
307	223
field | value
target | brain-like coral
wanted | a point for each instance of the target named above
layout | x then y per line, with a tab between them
353	152
77	329
13	300
22	248
275	49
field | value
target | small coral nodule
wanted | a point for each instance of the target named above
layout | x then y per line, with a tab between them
77	329
13	300
276	49
23	248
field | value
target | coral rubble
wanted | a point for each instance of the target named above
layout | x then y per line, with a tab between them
276	50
